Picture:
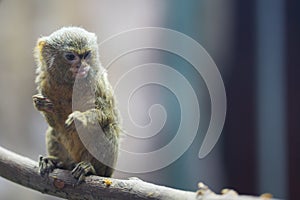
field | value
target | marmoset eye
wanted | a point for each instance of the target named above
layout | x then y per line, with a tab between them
87	55
70	56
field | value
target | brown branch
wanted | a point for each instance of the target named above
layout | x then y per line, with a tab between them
60	183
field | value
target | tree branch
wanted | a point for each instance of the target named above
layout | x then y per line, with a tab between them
60	183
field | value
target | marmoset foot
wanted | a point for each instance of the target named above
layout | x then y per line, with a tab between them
82	170
48	164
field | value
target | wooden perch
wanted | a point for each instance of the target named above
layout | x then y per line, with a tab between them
60	183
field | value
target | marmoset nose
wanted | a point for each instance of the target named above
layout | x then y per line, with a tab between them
78	64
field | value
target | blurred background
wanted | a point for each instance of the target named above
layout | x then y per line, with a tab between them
255	45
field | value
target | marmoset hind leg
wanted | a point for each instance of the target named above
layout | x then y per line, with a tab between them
58	157
88	124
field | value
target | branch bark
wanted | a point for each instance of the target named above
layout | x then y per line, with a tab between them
60	183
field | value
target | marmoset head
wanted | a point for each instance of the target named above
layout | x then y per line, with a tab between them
68	53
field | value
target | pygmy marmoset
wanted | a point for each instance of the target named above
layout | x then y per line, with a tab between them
68	56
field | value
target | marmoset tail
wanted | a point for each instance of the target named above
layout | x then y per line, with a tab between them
66	58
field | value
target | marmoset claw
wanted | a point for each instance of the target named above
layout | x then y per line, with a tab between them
48	164
82	170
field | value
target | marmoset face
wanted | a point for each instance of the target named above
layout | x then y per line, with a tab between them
79	63
69	54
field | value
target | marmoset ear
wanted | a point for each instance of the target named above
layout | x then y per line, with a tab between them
39	48
41	43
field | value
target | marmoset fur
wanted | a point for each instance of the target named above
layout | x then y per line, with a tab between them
68	56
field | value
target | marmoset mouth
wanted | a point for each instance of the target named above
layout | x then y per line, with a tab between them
81	72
